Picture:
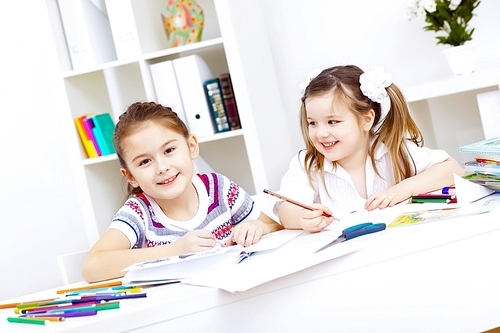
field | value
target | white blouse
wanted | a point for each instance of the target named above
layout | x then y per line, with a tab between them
342	197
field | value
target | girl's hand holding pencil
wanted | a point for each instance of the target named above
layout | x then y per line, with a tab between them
313	218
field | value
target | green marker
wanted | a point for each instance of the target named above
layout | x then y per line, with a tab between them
27	320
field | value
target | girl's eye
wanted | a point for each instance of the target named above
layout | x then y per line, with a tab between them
332	122
169	150
312	123
145	161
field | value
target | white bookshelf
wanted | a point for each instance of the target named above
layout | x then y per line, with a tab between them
245	156
456	111
453	85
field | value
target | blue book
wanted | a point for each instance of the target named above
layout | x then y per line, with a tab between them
104	128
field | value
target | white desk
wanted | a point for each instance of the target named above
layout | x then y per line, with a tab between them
391	286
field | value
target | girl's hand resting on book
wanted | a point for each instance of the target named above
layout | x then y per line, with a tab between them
247	233
389	197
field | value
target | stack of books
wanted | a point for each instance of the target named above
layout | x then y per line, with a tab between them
204	101
96	133
221	102
485	168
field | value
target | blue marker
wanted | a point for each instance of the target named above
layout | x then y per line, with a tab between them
448	190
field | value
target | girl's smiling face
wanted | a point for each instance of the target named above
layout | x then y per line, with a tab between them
160	161
335	131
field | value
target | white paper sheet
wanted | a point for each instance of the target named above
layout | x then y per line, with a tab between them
263	268
191	265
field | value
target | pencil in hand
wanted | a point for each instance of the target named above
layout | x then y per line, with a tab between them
279	196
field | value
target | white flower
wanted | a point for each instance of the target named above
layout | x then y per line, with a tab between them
421	12
454	4
429	5
309	77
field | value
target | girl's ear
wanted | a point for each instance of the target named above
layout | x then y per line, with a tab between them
367	120
128	176
194	146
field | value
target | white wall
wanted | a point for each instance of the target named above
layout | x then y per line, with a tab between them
305	35
40	215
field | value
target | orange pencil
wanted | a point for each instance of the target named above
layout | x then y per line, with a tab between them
14	305
91	286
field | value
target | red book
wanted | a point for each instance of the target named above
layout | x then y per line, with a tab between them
229	101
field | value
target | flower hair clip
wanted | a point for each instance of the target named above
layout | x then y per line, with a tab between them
373	84
310	76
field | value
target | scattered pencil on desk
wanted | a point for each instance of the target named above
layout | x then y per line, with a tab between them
91	300
21	320
433	198
92	286
279	196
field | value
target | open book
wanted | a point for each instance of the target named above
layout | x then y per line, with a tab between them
191	265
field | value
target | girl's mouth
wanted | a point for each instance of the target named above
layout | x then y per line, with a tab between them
328	145
168	180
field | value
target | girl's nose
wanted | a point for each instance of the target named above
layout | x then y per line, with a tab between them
162	167
323	132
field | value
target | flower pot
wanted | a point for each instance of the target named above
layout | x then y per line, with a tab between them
461	59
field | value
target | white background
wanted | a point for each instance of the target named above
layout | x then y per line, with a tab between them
40	214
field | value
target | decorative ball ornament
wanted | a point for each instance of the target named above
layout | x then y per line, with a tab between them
184	23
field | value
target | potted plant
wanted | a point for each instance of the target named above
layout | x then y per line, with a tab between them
449	19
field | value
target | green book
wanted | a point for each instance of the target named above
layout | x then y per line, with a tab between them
216	105
103	132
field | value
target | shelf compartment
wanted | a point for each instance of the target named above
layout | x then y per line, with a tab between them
150	24
107	191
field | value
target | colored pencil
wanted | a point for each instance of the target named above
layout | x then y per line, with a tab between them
22	320
91	286
279	196
433	200
49	318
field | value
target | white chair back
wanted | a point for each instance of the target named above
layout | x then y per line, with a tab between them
70	266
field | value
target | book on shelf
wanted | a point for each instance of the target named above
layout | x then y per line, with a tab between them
229	101
488	147
104	128
214	100
96	134
166	88
88	145
88	125
87	32
191	72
